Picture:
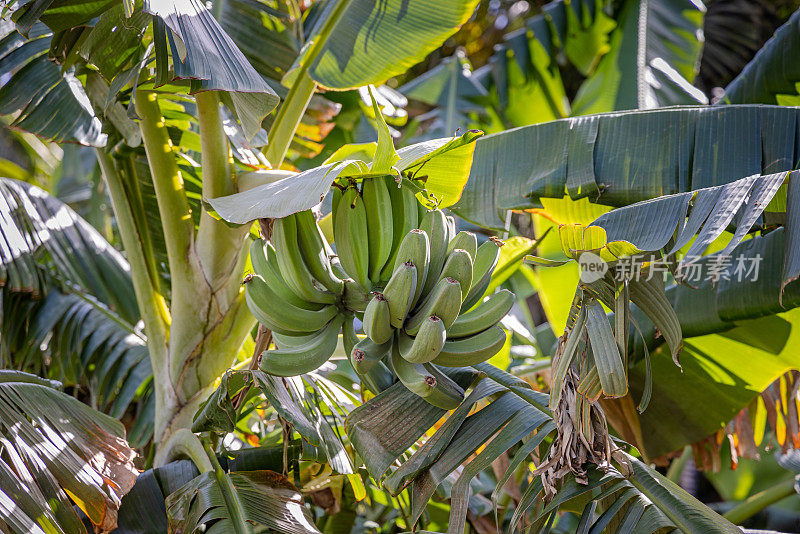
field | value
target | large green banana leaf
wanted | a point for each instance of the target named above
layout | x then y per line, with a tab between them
58	450
721	374
445	161
363	34
653	58
771	77
621	158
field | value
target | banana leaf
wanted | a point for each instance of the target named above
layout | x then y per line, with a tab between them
645	502
47	101
721	374
770	77
618	159
265	498
210	59
364	33
647	66
58	450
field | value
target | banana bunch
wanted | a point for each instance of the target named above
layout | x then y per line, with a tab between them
404	271
424	320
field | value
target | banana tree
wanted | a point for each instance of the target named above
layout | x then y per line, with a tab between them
156	88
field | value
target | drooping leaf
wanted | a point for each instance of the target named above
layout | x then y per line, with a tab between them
46	101
267	499
58	446
40	229
203	53
367	32
634	156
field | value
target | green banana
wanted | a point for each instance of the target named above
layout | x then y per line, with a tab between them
416	249
447	394
427	344
336	196
444	302
466	240
355	297
434	224
482	269
424	381
379	378
314	250
485	315
380	232
349	337
376	319
306	357
366	354
291	264
459	266
451	227
336	267
404	219
471	350
349	230
265	264
400	293
281	316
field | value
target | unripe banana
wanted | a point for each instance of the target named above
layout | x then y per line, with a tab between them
265	264
471	350
482	269
304	358
464	240
355	297
447	395
459	266
291	263
380	233
451	227
377	324
366	354
434	224
314	250
279	315
379	378
485	315
338	270
350	232
404	219
400	293
444	302
349	336
416	249
427	344
425	382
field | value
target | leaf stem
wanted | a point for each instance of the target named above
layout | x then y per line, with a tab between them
301	91
229	493
172	203
152	306
755	503
218	245
183	443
